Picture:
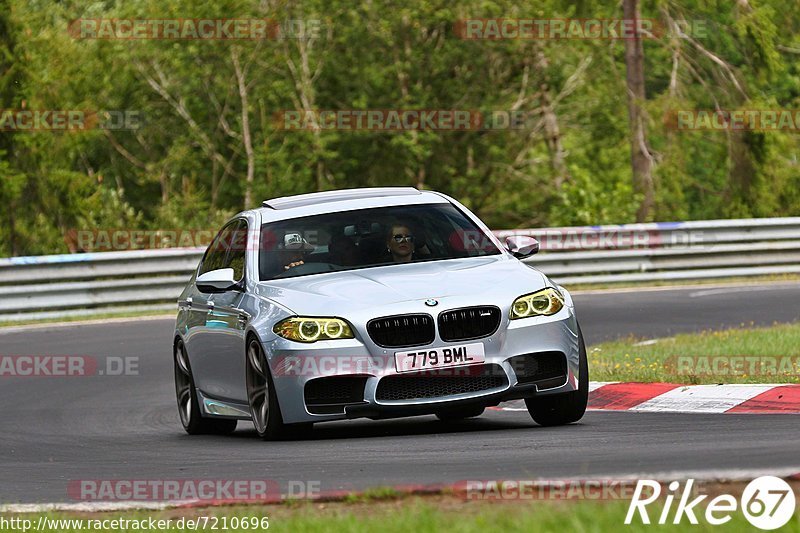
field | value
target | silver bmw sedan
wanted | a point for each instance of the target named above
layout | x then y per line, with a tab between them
376	303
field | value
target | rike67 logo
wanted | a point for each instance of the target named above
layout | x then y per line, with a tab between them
767	503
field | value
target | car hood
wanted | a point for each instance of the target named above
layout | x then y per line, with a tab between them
493	279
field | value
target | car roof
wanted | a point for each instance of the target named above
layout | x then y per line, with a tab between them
300	200
344	200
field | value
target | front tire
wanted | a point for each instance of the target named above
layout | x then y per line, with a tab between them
567	407
263	400
188	407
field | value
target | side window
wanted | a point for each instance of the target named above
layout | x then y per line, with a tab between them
216	254
237	249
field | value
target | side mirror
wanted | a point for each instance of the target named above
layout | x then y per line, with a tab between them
220	280
522	246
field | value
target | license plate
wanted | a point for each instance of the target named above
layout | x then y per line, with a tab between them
422	359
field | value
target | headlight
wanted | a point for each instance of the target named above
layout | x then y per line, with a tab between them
306	329
543	303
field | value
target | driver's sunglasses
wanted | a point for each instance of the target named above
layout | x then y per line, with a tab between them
400	238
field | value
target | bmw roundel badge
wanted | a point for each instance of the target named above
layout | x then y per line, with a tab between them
430	302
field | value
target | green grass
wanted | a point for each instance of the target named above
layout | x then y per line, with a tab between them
628	360
420	515
374	494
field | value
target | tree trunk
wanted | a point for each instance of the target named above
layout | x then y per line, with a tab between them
246	138
9	74
304	79
12	231
552	133
742	169
641	159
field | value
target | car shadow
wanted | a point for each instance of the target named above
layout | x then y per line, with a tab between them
413	426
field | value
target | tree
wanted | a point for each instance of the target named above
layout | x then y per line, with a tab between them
641	158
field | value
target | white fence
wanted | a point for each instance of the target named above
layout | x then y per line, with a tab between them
76	284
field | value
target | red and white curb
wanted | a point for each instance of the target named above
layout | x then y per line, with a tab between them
675	398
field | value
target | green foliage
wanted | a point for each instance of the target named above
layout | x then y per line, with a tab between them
632	360
484	510
186	166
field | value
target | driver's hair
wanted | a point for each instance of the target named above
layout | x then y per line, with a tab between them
397	224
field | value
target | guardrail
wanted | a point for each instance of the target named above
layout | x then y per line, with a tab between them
57	286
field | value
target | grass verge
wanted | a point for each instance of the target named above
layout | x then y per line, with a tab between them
414	514
757	355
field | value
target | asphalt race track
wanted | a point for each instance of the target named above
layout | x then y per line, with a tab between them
59	429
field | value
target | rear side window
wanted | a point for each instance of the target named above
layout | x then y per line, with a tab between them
236	251
227	250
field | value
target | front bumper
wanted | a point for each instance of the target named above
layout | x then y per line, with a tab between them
380	410
293	365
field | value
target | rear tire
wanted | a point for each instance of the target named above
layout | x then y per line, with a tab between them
458	414
188	408
567	407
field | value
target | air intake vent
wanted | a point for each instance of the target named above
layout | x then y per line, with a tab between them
547	369
330	395
441	383
468	323
402	330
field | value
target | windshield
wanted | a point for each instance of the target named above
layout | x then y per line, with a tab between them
369	237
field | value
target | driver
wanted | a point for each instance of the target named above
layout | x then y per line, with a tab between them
400	243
